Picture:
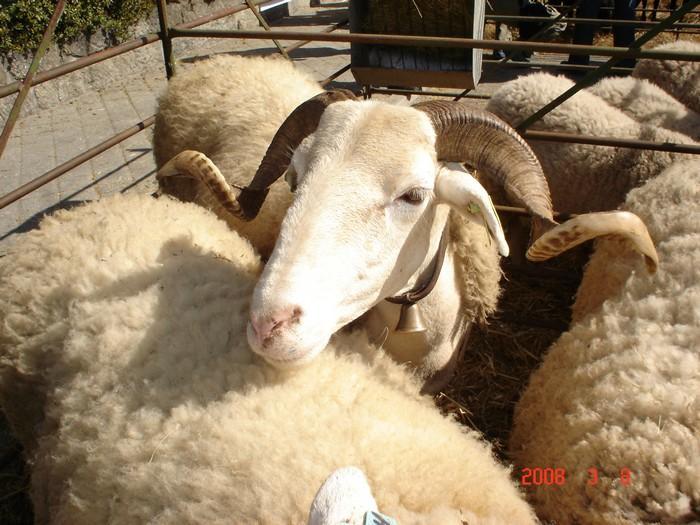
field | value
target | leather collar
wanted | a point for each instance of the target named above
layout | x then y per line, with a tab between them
422	289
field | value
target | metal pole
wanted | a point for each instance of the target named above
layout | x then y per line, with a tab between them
589	21
165	38
425	41
327	29
335	75
549	65
99	56
522	211
427	93
555	136
266	27
593	76
27	84
72	163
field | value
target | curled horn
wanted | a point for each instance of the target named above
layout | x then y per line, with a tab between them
491	146
299	124
198	166
622	225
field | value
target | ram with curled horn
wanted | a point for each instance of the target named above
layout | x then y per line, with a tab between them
385	220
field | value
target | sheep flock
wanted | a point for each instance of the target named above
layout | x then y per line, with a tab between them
127	375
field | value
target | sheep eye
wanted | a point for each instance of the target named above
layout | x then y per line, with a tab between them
413	196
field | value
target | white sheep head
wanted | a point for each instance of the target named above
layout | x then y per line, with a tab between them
373	194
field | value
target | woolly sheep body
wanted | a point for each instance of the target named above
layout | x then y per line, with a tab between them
620	389
577	172
229	108
648	103
681	79
147	405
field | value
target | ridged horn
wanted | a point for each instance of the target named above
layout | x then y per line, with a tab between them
491	146
624	225
299	124
198	166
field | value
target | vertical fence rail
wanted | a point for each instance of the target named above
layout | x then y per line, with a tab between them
27	84
165	38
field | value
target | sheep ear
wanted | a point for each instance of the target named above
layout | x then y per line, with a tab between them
345	497
456	187
623	225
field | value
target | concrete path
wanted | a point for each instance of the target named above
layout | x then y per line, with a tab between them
45	139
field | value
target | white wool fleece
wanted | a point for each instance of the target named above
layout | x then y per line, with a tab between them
581	177
621	389
123	334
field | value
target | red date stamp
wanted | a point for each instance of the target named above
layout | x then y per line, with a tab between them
538	476
542	476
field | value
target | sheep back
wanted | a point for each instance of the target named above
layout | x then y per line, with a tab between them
131	331
620	389
229	108
681	79
582	177
647	103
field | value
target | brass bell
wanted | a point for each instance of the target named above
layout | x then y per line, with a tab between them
410	320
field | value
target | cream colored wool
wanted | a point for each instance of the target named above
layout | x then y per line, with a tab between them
649	104
229	108
621	388
126	374
582	177
681	79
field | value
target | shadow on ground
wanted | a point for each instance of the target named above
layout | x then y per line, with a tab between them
69	201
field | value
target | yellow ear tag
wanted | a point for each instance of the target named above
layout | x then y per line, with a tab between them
473	208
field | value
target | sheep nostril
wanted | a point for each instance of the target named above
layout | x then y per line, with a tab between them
267	327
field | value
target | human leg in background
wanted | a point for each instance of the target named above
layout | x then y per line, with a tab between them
583	33
623	36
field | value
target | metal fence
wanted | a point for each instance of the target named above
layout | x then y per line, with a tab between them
187	30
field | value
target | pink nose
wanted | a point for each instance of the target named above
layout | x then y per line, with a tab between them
266	327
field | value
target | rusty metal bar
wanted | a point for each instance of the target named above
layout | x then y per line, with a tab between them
216	15
327	29
606	8
553	136
514	210
549	65
266	27
105	54
591	21
425	41
72	163
335	75
399	91
165	38
88	60
593	76
27	84
110	52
